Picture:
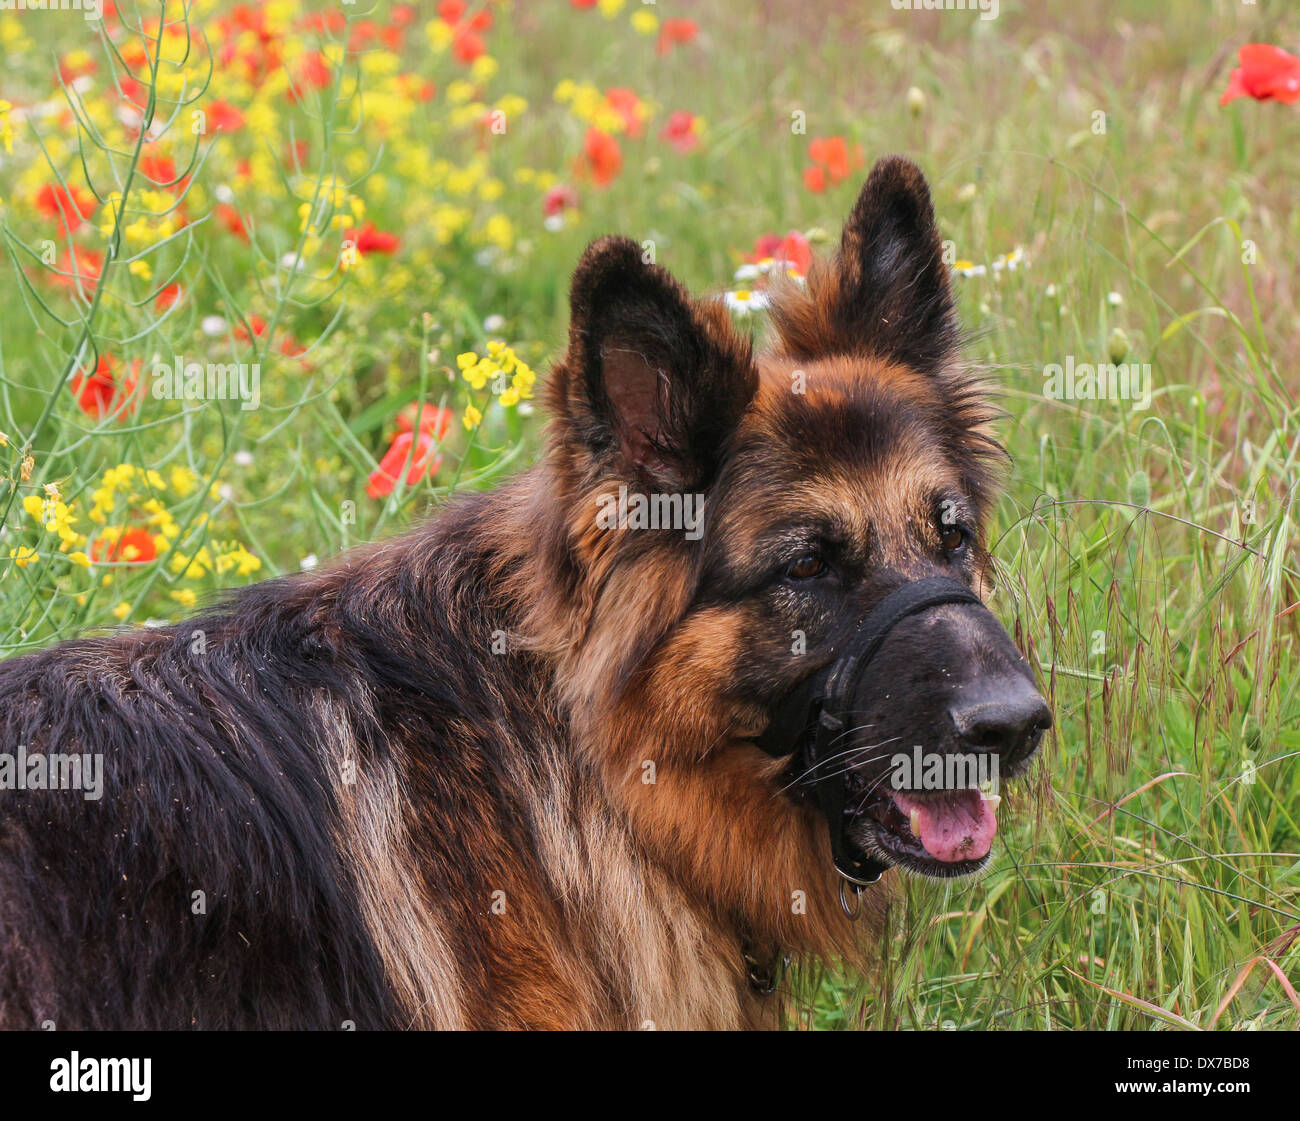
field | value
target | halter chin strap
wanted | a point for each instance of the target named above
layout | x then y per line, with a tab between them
814	718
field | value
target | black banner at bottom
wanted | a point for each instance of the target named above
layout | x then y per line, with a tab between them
361	1070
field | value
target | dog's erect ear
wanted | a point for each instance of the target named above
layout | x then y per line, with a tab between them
895	294
652	379
888	292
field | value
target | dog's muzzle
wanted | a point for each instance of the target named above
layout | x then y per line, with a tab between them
811	722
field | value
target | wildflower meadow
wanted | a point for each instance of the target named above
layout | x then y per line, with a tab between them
284	277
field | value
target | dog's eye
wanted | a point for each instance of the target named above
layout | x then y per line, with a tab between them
953	538
807	567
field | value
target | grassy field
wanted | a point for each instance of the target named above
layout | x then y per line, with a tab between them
366	196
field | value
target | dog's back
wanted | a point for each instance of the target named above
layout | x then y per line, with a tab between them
250	850
204	885
337	800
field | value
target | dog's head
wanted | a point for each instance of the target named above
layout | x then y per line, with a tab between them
739	516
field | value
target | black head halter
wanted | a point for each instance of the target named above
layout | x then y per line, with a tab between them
812	720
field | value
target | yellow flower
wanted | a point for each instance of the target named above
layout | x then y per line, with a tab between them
499	231
479	374
644	23
121	611
185	597
473	418
459	91
23	555
6	129
79	559
184	481
610	8
484	68
192	568
240	559
440	34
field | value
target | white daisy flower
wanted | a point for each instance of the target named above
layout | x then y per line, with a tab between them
745	300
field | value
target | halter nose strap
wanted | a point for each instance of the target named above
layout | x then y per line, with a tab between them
816	715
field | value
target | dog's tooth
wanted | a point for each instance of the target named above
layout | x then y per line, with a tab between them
993	801
914	822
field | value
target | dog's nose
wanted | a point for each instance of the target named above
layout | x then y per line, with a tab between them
1008	718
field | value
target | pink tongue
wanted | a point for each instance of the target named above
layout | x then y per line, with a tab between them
955	826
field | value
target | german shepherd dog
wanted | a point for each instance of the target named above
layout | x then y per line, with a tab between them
515	768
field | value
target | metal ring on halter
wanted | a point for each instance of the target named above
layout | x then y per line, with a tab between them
855	877
858	883
844	902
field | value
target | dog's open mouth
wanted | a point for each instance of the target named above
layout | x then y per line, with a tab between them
940	834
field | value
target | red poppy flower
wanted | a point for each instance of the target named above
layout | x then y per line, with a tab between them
793	250
363	31
424	461
677	33
289	346
434	420
451	11
133	91
162	171
580	4
628	106
313	71
680	131
256	323
558	199
231	219
833	162
134	545
78	268
101	394
71	204
467	46
602	158
1266	73
224	117
332	20
167	297
403	15
371	240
